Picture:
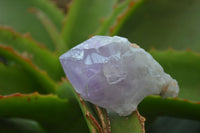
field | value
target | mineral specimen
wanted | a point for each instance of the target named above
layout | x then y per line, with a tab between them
115	74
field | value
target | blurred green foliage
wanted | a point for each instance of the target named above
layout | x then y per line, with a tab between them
35	96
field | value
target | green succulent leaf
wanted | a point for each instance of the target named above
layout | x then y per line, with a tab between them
52	113
46	84
83	19
17	125
14	79
184	66
65	91
133	123
52	30
173	125
26	66
153	106
113	23
164	23
14	13
40	56
98	120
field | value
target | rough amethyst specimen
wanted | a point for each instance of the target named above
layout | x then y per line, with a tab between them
112	73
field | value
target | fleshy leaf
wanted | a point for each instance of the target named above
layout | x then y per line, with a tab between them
98	120
164	23
153	106
52	113
17	125
52	30
25	45
14	79
14	13
173	125
65	91
83	19
119	15
133	123
46	84
185	68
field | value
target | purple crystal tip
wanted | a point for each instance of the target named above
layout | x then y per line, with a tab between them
115	74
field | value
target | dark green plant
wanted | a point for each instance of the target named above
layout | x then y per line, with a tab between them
35	96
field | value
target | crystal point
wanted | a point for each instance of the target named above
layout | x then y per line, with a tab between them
115	74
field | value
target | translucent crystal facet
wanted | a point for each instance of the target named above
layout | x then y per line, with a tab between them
110	72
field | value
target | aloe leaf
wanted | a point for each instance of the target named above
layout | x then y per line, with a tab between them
98	120
14	79
83	19
52	30
92	118
65	91
164	23
113	23
133	123
46	84
174	125
28	47
14	13
17	125
153	106
52	113
184	66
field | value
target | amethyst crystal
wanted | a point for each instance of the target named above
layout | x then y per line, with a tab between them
111	73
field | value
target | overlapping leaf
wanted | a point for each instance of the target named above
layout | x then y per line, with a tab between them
151	23
83	19
17	125
52	30
25	45
52	113
155	23
133	123
164	23
14	13
144	27
65	90
46	84
174	125
154	106
97	118
120	13
14	79
185	68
